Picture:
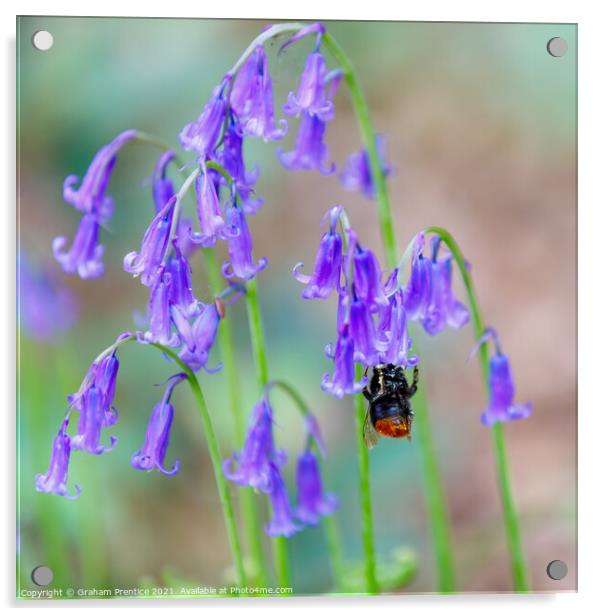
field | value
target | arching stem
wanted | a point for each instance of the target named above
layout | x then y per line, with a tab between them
511	521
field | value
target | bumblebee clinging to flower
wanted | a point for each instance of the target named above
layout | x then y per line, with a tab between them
389	411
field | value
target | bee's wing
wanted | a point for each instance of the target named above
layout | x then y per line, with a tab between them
370	434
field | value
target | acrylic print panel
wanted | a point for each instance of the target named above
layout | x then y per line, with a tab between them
296	308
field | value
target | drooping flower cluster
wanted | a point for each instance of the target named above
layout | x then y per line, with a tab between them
372	316
94	404
85	255
313	104
371	320
373	313
429	298
175	317
259	463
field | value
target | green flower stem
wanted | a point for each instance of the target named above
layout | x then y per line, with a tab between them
434	490
265	36
511	522
248	499
362	113
365	501
293	394
216	460
143	137
279	545
370	578
333	539
434	496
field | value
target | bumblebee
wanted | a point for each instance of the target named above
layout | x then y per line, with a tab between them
389	411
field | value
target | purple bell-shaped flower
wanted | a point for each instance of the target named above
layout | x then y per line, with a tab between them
54	481
152	455
201	136
312	503
258	458
281	523
310	153
253	101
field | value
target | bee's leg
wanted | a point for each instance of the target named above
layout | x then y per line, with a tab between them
414	387
404	381
367	394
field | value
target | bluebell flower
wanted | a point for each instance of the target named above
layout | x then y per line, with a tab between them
444	310
197	338
180	283
281	523
153	248
85	255
253	101
417	292
159	312
393	330
240	249
356	175
102	374
105	378
310	153
90	424
343	378
91	198
232	159
47	308
201	136
501	405
312	502
501	387
184	235
312	93
55	479
211	220
429	298
327	269
259	457
152	454
367	276
163	189
364	334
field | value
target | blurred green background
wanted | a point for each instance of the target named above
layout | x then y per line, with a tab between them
480	122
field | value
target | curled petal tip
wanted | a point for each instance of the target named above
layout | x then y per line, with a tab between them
174	470
303	278
75	495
